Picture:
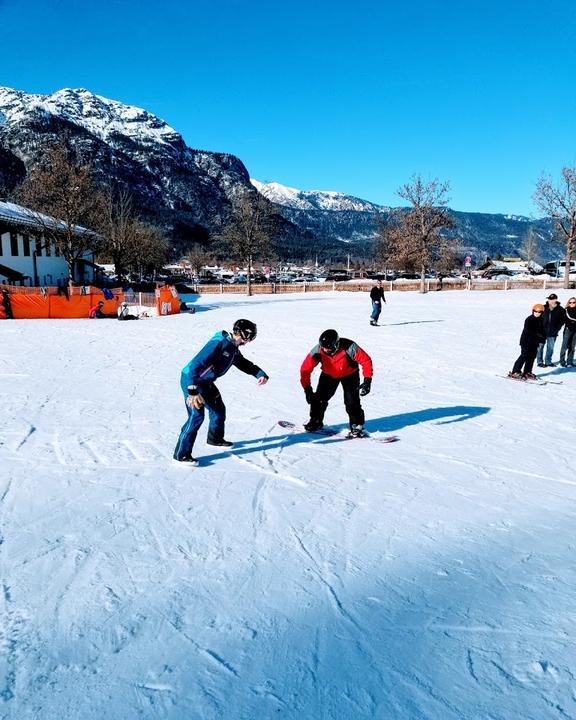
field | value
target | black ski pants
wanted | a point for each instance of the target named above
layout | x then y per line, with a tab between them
326	388
525	362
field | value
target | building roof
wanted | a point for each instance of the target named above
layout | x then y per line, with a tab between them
19	215
11	274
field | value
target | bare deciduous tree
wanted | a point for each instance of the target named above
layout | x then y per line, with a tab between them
119	227
420	238
197	257
250	231
411	237
559	203
65	200
151	249
530	245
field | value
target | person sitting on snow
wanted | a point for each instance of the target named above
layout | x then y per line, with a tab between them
96	312
340	359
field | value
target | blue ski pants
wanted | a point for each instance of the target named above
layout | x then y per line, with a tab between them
376	310
217	414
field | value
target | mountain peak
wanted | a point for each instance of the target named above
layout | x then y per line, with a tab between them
98	115
329	200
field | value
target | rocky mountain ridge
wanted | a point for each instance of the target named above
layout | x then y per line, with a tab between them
190	192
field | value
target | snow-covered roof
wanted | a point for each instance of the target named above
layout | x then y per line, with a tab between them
19	215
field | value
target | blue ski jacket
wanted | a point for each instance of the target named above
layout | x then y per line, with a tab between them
215	359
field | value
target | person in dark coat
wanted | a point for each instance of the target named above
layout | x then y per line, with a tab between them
553	319
340	360
569	337
532	336
219	354
377	298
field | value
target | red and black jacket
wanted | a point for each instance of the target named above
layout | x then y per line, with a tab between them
344	362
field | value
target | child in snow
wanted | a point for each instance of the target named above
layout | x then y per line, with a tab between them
532	336
197	383
340	359
96	312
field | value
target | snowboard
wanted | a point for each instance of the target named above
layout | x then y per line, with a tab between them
329	432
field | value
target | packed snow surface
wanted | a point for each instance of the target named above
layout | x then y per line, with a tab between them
296	576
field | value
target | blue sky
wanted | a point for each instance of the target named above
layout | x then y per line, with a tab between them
351	96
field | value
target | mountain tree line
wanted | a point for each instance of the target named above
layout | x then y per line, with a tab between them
416	237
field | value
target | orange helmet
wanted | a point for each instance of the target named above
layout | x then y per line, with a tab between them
538	307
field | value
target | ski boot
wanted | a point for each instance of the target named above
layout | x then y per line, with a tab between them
313	425
516	376
186	461
220	443
530	376
356	431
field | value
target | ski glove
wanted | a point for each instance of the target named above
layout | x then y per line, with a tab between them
309	395
194	399
365	386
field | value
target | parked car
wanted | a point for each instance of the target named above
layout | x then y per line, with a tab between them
557	268
496	273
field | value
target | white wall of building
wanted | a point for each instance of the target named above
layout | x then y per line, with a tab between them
51	268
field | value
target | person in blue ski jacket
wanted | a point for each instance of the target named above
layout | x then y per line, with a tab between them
219	354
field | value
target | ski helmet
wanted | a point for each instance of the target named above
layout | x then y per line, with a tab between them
538	307
245	328
329	340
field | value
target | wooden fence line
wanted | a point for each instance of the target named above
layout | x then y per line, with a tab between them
432	285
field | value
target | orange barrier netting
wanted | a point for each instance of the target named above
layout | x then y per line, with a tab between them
53	303
34	303
167	300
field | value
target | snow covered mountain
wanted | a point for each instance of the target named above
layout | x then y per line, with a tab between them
187	190
335	216
190	191
329	215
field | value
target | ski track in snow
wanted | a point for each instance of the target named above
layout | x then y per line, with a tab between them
291	575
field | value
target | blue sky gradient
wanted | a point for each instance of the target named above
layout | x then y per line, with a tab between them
350	96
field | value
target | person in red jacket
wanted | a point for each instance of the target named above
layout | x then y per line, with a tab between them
340	360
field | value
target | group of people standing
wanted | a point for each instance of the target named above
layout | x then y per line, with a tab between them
541	330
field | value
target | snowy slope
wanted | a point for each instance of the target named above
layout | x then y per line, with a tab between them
296	576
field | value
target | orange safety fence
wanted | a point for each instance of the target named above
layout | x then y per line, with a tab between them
167	300
28	303
53	302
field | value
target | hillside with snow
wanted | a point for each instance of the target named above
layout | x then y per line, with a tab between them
295	575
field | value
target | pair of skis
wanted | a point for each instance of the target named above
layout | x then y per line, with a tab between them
537	381
330	432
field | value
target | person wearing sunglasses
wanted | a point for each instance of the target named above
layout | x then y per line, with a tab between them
532	336
569	337
340	360
553	319
219	354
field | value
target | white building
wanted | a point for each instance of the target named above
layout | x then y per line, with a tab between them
25	256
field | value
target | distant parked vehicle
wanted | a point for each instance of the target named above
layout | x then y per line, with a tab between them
496	273
557	268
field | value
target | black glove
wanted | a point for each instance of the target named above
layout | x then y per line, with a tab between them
365	386
309	394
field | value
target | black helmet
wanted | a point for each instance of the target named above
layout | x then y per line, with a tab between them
245	328
329	340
